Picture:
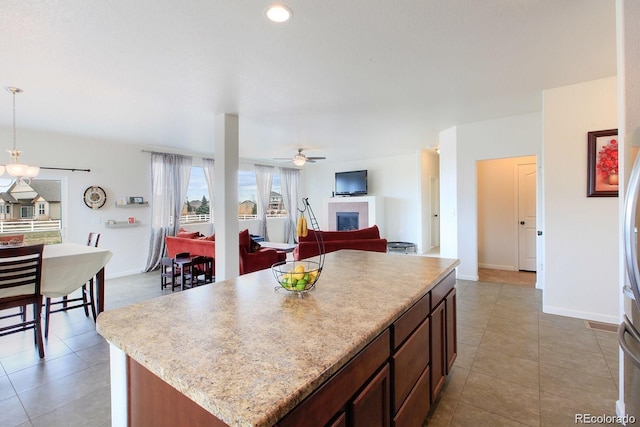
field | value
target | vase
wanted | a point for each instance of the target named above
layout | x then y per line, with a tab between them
613	179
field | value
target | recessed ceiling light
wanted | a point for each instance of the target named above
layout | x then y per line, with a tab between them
278	13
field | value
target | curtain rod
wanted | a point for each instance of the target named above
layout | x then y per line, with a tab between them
66	169
192	154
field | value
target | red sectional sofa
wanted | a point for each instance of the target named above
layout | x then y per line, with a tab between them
250	261
366	239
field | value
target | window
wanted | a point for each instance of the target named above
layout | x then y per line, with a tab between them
247	196
26	212
197	207
41	208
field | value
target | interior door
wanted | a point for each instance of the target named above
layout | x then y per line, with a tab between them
527	217
435	211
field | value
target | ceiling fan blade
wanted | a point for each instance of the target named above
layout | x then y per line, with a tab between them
316	158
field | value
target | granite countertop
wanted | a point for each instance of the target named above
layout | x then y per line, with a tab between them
249	354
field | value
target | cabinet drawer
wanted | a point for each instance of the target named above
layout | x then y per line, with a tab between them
416	407
410	320
440	291
409	362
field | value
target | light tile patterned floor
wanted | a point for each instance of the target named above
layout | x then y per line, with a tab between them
516	366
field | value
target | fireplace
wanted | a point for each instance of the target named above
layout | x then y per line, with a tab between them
347	221
369	209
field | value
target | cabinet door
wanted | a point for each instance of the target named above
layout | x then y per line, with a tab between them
371	407
438	350
452	334
340	421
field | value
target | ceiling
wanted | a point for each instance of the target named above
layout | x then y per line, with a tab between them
343	79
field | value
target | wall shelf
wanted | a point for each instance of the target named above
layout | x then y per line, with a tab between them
121	224
133	205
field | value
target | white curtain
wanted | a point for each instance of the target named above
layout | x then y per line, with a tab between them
289	181
170	175
207	165
264	178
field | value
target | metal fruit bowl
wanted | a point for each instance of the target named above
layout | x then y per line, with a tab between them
296	276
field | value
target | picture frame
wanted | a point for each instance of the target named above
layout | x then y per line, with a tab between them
136	200
602	163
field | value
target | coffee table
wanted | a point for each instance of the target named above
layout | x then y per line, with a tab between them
401	246
284	247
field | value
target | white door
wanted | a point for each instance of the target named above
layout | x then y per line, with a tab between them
435	211
527	217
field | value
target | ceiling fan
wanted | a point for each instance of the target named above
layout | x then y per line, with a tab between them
300	159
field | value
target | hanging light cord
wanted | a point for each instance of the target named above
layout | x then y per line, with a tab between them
13	90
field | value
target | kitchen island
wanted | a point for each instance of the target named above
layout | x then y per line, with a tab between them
240	353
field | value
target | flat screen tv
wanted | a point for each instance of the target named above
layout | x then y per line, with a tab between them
353	183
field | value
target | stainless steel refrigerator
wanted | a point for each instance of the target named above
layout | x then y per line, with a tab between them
629	330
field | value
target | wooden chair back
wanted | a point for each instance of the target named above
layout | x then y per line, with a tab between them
20	278
93	239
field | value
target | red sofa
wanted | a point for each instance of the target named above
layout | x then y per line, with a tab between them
366	239
249	261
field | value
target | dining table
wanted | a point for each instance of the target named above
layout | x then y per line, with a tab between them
68	266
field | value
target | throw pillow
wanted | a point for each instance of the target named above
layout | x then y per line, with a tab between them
245	240
255	246
188	235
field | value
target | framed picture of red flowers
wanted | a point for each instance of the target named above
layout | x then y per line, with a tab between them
602	165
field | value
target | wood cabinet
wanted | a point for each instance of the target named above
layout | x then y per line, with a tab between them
371	407
438	350
354	390
443	336
452	334
391	382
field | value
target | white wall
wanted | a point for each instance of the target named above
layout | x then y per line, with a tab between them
120	169
396	179
448	193
581	257
513	136
498	227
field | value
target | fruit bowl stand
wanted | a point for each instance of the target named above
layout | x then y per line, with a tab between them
301	276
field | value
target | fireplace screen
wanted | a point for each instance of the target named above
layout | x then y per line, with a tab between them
347	221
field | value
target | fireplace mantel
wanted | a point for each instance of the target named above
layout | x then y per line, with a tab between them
371	210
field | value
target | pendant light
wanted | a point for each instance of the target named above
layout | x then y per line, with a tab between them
21	172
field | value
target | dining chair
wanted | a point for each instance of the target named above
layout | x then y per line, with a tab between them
201	271
20	277
168	273
85	301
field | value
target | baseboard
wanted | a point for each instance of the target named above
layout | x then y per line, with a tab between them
122	274
498	267
598	317
465	277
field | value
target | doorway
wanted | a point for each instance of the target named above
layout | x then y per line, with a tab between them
506	190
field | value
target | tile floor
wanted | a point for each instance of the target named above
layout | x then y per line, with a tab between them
516	366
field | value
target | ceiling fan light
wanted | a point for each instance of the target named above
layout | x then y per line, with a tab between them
299	160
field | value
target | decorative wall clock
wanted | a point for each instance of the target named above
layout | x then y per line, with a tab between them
94	197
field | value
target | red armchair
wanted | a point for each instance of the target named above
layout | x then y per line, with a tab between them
260	259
